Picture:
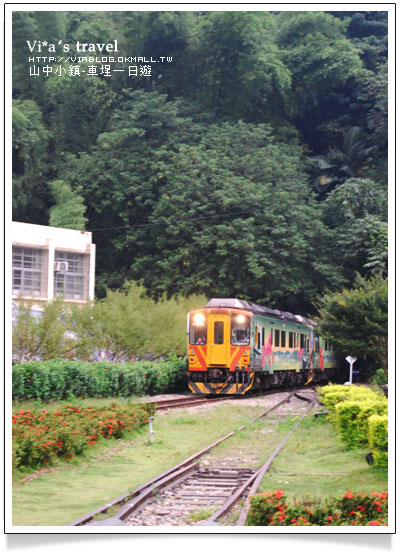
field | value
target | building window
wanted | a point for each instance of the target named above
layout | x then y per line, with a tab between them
70	276
27	271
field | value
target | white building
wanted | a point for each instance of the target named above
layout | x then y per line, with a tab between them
48	262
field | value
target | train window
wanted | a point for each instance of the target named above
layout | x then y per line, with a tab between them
283	338
277	343
317	344
326	346
290	340
301	341
219	332
263	337
240	330
198	329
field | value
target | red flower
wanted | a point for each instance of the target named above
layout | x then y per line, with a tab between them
278	494
349	494
31	379
330	518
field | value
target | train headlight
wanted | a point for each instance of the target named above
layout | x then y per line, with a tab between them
240	319
198	319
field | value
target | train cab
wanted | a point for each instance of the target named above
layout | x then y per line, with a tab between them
219	350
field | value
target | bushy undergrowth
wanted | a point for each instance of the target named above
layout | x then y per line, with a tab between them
41	436
360	417
61	379
271	509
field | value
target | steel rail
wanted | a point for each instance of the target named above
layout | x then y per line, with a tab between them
264	469
166	405
136	493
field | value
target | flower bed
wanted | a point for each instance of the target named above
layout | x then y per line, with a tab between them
41	436
271	509
60	379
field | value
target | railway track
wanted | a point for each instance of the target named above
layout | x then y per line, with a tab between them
181	495
189	401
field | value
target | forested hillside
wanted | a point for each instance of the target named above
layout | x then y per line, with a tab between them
251	165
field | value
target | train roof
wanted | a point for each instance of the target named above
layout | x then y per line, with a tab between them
259	310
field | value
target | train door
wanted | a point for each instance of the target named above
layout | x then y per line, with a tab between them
219	333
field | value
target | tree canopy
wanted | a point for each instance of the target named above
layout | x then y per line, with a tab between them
253	164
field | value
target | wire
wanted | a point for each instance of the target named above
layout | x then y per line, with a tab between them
195	218
163	222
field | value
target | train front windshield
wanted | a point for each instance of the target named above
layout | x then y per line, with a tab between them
240	330
198	329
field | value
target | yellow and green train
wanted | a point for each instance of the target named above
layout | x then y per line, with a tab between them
236	346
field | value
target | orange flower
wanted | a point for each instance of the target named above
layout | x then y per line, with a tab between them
349	494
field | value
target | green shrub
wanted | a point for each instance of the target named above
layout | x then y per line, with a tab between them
352	419
59	379
380	377
41	436
378	439
359	415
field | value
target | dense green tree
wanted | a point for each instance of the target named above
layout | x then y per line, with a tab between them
195	178
357	213
368	31
240	72
355	320
41	337
80	108
319	56
352	160
69	210
29	151
217	209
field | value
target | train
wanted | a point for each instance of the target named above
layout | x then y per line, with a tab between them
235	346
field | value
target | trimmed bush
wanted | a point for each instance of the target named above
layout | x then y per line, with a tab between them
352	419
271	509
61	379
378	439
352	410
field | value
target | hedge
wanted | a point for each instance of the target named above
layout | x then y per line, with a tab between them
61	379
360	417
378	439
271	509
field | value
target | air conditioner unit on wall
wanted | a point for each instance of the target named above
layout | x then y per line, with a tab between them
61	266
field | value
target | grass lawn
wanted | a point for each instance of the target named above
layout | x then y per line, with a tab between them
314	465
